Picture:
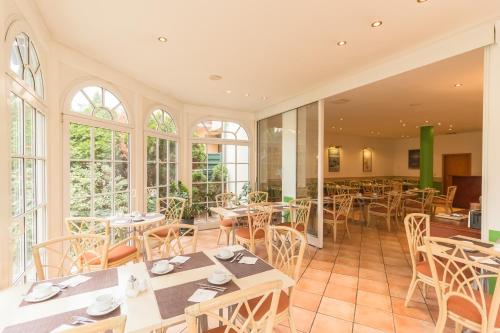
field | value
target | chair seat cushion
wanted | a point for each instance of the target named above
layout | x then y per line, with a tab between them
164	232
466	309
114	254
226	222
245	233
282	306
298	227
220	329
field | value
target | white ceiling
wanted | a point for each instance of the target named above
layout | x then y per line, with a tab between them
396	106
276	48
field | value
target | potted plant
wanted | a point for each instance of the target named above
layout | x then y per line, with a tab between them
191	210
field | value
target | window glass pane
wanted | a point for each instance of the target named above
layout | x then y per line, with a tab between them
163	146
17	248
240	189
80	178
102	177
172	172
152	195
16	125
199	174
168	124
103	205
199	192
79	136
172	151
30	234
40	135
121	176
198	152
28	129
81	104
230	154
213	190
80	206
40	182
39	84
242	172
163	174
29	78
94	94
102	143
16	64
122	203
218	173
16	186
231	172
151	175
241	134
152	122
151	149
103	113
121	146
22	42
33	58
242	154
110	100
29	183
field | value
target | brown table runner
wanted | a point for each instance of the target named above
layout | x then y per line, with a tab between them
173	300
47	324
475	242
198	260
100	280
244	270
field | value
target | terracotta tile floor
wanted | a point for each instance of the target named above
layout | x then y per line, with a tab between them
357	285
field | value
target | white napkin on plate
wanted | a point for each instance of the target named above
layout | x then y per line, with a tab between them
75	281
201	295
179	259
62	328
248	260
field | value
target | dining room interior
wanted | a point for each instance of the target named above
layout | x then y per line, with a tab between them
196	167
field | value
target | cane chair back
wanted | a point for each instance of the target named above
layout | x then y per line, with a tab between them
460	281
257	197
427	202
450	193
113	324
70	255
260	316
226	199
172	208
417	227
259	217
171	240
299	211
396	186
87	225
330	189
367	188
285	250
393	201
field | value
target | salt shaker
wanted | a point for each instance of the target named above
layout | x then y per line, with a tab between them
132	290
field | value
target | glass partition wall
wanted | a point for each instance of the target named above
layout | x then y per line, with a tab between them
288	157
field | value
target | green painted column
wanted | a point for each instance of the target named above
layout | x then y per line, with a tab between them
426	156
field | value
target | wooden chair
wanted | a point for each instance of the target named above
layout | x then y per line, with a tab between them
259	303
171	240
396	186
172	208
113	324
225	224
445	201
119	252
417	227
419	206
257	197
367	188
388	211
461	284
339	214
259	218
68	255
299	214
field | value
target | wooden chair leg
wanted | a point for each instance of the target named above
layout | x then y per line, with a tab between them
335	233
218	237
388	222
347	230
228	233
293	328
458	328
411	290
441	322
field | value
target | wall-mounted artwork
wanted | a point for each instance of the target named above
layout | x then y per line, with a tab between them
367	160
414	159
333	159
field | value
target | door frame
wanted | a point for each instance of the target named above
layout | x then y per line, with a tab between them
469	167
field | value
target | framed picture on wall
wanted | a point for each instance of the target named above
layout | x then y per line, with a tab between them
333	159
367	160
414	159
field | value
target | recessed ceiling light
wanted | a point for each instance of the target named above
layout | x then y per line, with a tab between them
402	136
416	126
400	121
404	125
341	119
342	43
376	24
340	129
450	129
451	125
247	94
228	91
421	1
439	124
371	132
378	133
162	39
215	77
264	98
457	85
333	127
426	121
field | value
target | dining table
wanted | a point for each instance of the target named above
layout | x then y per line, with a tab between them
363	200
136	225
160	305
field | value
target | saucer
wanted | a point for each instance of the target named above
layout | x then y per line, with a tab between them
32	299
168	270
92	311
219	283
224	258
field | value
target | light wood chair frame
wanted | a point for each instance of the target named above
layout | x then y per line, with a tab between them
177	238
223	200
423	206
95	225
461	277
392	209
172	208
65	255
257	197
340	212
113	324
300	210
445	201
259	220
235	323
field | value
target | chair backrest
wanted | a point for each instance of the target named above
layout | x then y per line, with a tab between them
285	250
70	255
171	240
417	227
87	225
397	186
330	189
342	206
450	193
259	218
113	324
463	278
259	317
393	200
428	197
257	197
299	211
225	199
367	188
172	208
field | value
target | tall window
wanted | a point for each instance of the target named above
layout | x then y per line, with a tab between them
27	153
161	156
99	155
219	153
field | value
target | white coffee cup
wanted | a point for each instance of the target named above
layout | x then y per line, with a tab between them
103	302
225	253
219	275
42	289
161	265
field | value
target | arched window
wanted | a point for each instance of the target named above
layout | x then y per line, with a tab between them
219	155
99	155
27	157
161	156
25	63
100	103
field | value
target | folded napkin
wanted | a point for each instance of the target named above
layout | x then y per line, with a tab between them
75	280
62	328
248	260
201	295
179	259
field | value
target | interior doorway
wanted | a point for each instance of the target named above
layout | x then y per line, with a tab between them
455	165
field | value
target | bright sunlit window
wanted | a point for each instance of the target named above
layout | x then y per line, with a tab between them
25	63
